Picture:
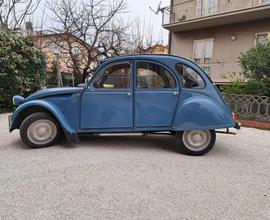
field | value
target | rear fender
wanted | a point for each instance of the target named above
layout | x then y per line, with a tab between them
199	112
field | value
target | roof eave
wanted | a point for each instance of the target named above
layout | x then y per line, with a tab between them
244	15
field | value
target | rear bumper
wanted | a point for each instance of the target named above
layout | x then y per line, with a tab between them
237	125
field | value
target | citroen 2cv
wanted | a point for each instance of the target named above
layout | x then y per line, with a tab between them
129	94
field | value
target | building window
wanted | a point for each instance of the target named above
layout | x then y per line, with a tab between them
76	51
55	48
202	53
262	38
197	61
265	2
206	7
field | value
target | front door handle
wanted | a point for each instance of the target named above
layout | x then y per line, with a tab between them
175	93
129	94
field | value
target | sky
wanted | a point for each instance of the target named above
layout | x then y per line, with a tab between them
136	10
140	9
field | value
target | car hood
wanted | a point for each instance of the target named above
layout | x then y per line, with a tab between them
52	92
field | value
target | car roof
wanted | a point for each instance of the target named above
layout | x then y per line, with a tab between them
142	56
155	57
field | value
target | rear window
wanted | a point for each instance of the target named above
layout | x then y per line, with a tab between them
190	78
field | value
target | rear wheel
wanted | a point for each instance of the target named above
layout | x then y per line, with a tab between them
196	142
39	130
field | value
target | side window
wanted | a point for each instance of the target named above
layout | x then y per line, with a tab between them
190	78
262	38
265	2
114	77
153	76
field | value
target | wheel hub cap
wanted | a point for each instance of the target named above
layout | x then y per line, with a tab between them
41	131
196	140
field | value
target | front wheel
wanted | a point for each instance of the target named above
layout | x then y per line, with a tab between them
39	130
196	142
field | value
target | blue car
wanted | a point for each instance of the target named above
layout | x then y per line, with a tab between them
129	94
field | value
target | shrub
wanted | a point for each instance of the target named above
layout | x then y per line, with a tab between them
22	67
256	63
251	87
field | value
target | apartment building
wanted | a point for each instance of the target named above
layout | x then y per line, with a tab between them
157	49
214	33
62	48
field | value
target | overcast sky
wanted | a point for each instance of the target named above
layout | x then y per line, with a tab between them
140	9
137	9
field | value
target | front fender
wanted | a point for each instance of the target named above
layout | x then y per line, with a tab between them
52	108
201	113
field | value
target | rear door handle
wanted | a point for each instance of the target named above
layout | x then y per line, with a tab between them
175	93
129	94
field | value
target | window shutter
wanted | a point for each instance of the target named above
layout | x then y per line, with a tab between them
208	48
200	8
212	5
198	49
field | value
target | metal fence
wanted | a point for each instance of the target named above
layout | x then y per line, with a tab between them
188	9
250	107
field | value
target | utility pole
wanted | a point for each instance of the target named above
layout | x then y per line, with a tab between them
58	72
73	80
56	52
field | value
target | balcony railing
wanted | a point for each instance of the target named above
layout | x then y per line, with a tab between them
188	10
223	72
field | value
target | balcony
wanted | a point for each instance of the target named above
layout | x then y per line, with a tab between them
222	73
184	16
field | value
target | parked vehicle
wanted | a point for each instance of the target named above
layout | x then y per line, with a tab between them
137	93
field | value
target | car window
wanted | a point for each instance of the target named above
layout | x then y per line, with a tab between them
116	76
190	78
150	75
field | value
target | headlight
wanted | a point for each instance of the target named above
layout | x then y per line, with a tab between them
17	100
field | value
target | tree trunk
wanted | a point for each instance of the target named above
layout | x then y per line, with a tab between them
59	76
85	74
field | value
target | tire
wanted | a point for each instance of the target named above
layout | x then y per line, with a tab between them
40	130
196	143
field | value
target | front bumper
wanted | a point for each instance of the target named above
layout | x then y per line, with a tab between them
10	122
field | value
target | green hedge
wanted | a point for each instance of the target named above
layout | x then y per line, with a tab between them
22	67
255	65
251	87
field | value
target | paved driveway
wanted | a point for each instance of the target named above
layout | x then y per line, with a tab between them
135	177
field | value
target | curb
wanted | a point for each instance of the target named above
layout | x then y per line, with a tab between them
255	124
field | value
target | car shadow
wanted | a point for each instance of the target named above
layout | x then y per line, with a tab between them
117	141
128	141
164	142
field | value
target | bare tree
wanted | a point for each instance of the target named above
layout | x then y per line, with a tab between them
94	24
115	41
140	35
14	12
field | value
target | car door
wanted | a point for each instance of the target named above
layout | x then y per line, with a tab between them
107	102
156	94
